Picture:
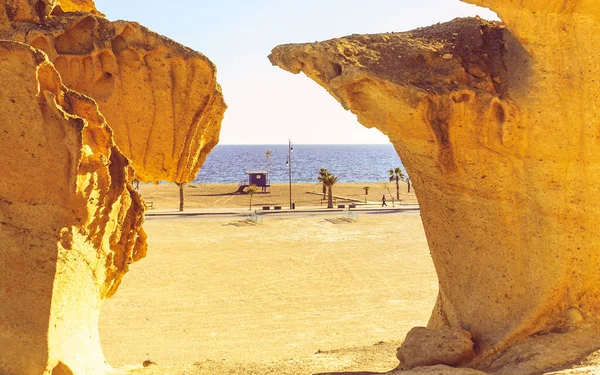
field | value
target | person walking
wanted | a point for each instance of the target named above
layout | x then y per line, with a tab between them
383	201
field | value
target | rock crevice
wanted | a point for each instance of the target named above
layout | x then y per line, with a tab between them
162	99
70	221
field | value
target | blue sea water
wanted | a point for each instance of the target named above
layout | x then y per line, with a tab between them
352	163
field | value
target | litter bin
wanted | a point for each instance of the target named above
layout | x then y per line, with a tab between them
294	206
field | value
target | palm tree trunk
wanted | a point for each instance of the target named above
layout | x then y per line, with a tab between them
408	182
397	189
329	198
181	196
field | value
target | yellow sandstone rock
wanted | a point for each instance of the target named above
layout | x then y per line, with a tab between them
499	130
161	98
430	347
437	370
38	11
70	222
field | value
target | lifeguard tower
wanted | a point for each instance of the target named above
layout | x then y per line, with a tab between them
258	178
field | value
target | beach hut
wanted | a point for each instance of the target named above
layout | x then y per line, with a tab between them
258	178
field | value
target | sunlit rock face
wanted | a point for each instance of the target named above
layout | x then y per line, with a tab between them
161	99
70	222
37	11
498	127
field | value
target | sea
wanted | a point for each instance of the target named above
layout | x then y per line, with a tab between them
351	163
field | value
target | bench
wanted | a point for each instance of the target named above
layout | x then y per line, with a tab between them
341	206
351	206
149	204
266	208
277	207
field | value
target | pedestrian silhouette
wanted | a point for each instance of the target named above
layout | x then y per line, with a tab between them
383	201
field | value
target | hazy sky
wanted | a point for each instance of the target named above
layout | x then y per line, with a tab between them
266	104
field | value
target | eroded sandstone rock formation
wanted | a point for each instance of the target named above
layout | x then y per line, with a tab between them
437	370
430	347
70	222
38	10
161	98
498	127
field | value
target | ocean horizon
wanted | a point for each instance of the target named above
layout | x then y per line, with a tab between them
351	162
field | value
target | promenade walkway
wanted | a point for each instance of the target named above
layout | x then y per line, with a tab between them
368	209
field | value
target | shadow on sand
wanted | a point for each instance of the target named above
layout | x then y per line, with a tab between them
215	195
241	223
226	194
352	373
340	220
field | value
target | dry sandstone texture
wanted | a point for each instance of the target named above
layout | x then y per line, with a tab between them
497	124
70	222
161	99
37	11
428	347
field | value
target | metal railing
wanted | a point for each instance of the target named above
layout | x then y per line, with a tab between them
255	216
352	215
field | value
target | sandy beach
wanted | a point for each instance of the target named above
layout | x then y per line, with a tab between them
221	295
210	196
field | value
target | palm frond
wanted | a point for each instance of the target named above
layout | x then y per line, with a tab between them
322	174
329	180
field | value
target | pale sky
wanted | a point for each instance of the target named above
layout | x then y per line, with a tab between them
266	104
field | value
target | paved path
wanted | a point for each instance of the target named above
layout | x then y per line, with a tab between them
410	209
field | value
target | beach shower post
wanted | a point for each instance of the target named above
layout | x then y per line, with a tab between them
289	164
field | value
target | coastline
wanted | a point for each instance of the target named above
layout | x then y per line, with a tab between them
206	196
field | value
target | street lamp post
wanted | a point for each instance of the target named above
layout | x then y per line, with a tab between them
289	164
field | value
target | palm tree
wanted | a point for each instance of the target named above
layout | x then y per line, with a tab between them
322	173
252	189
397	175
181	186
329	180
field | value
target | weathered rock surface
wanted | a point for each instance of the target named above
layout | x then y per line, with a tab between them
429	347
70	222
437	370
161	98
38	11
498	128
